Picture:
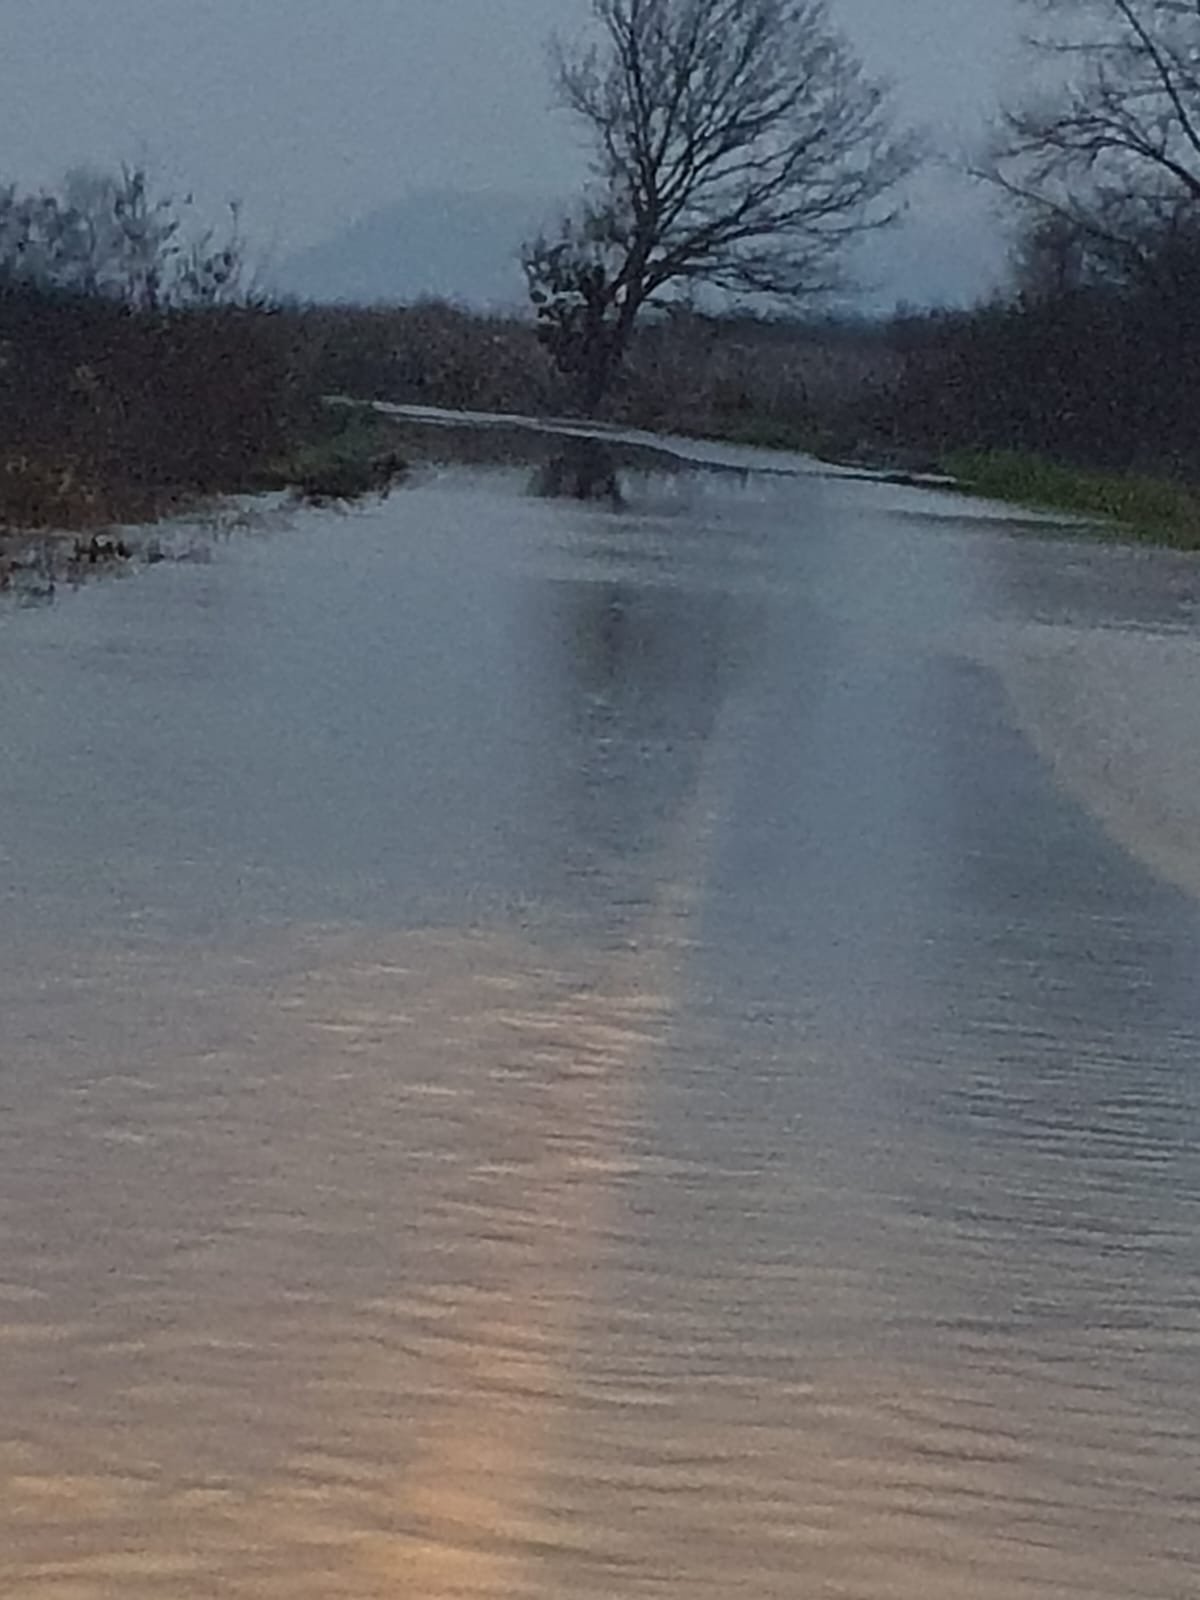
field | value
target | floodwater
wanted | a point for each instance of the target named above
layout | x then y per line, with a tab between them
642	1047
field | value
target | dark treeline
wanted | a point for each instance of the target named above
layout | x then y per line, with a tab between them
734	376
1095	375
106	407
1091	358
1098	374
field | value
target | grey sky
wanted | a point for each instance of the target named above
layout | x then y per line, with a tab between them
314	112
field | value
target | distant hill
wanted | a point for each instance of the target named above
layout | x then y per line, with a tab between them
946	250
455	246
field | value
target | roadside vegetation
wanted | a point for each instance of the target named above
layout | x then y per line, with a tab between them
140	375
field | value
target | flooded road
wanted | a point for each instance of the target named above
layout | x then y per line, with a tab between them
572	1050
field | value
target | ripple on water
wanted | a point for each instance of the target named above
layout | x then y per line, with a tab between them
402	1301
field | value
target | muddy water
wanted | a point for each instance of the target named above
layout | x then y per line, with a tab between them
556	1050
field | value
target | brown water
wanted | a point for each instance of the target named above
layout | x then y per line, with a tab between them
548	1051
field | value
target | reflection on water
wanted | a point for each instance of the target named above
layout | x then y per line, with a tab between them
583	469
576	1054
39	569
313	1279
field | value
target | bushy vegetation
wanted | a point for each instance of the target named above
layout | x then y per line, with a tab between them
106	409
137	371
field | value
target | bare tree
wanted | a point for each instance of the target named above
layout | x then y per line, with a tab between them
126	239
739	145
1110	145
109	234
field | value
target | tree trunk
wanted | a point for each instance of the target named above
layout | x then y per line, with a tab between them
605	353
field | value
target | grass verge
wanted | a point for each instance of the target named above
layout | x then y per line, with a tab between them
1156	510
345	452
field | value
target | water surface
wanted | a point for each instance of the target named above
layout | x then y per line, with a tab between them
556	1049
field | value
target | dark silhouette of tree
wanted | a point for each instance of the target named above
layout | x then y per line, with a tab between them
1110	144
1094	356
738	145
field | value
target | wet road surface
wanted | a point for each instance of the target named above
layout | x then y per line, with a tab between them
549	1049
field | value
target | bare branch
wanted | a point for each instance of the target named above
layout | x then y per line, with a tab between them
1117	137
738	144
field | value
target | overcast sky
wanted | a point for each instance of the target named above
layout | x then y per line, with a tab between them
313	112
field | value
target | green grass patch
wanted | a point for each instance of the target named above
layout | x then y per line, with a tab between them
1157	510
348	451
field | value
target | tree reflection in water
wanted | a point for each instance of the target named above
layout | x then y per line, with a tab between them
584	469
